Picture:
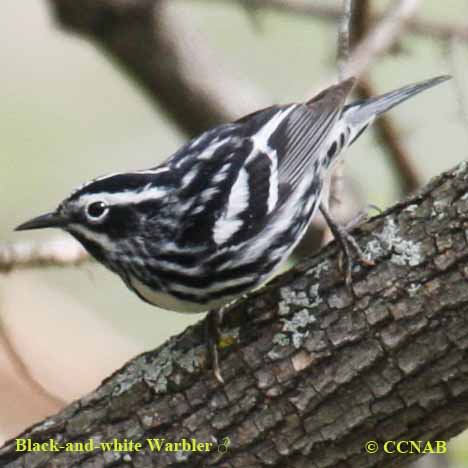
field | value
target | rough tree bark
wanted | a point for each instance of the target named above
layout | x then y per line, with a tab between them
314	372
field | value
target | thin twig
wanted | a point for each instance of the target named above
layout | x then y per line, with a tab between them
351	31
343	55
427	28
381	38
333	186
344	35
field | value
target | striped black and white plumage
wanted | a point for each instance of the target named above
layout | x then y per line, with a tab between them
219	216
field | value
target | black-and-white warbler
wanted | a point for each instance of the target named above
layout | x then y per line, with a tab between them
220	215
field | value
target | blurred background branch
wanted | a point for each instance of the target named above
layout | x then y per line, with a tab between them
407	176
34	386
406	173
381	37
428	29
57	253
167	57
344	38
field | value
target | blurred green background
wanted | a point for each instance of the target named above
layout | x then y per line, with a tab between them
67	114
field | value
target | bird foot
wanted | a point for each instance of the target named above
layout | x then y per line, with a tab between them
213	336
348	244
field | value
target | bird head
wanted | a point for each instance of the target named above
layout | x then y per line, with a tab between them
110	211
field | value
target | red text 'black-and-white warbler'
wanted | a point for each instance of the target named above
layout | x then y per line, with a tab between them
221	214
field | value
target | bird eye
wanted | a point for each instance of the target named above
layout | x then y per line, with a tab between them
96	210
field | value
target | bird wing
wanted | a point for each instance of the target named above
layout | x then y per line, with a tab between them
236	176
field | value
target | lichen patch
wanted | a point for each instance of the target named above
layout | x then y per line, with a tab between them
294	331
404	252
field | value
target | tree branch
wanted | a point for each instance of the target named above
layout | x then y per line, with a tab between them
315	372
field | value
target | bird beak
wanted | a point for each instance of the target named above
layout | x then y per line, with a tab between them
48	220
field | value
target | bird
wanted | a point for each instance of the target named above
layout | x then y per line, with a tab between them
221	215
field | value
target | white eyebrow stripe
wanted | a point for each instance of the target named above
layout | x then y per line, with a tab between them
124	197
152	171
144	171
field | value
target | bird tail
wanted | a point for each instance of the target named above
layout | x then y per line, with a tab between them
367	110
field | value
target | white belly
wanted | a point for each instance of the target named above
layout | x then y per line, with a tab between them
169	302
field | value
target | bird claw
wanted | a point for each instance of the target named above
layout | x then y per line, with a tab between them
217	372
213	335
347	243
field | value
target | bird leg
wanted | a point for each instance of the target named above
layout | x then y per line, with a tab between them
347	243
213	335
